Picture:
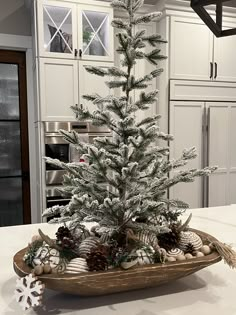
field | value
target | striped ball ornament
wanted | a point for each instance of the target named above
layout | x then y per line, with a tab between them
87	246
77	265
174	252
187	238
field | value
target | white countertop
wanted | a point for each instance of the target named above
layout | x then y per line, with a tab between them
209	291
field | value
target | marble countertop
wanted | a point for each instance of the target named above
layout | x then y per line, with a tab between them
209	291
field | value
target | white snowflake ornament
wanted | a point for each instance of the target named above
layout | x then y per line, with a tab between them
29	291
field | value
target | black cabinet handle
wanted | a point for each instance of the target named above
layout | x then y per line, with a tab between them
80	53
216	70
211	70
76	52
76	105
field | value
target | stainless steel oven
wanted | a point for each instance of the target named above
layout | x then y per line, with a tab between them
57	148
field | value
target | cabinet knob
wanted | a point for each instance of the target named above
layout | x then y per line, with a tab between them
76	52
80	53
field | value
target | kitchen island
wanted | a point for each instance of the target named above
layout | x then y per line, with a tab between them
209	291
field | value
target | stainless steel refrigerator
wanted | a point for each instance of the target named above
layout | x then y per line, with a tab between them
12	149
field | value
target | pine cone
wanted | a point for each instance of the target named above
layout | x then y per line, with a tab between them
190	248
171	239
97	261
67	243
63	232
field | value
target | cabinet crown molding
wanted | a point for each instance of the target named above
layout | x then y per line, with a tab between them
173	7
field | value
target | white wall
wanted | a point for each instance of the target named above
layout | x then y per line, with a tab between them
14	18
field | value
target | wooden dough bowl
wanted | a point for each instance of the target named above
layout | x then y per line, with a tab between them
118	280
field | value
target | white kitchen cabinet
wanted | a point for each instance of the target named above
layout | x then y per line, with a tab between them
57	29
58	89
191	49
196	54
210	126
224	57
92	84
186	126
222	152
75	30
95	36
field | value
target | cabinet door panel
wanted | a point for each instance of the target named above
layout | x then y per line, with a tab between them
218	189
58	89
57	32
222	129
191	49
96	34
224	56
186	126
91	84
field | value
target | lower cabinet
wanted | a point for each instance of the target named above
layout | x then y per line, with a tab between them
62	83
186	121
210	127
222	152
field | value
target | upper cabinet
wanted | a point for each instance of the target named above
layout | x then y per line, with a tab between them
57	29
95	36
75	30
224	57
196	54
191	46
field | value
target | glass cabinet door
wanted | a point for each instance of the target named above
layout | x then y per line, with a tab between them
57	29
96	33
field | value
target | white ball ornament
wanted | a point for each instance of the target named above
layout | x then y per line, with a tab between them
180	258
188	256
38	270
205	249
199	254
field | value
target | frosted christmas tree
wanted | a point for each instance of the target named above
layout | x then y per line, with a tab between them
122	187
123	184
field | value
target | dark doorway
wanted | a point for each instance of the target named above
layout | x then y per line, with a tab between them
14	149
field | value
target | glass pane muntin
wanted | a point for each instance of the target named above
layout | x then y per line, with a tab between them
57	29
97	24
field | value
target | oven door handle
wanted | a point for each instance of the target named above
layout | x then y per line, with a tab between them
56	200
